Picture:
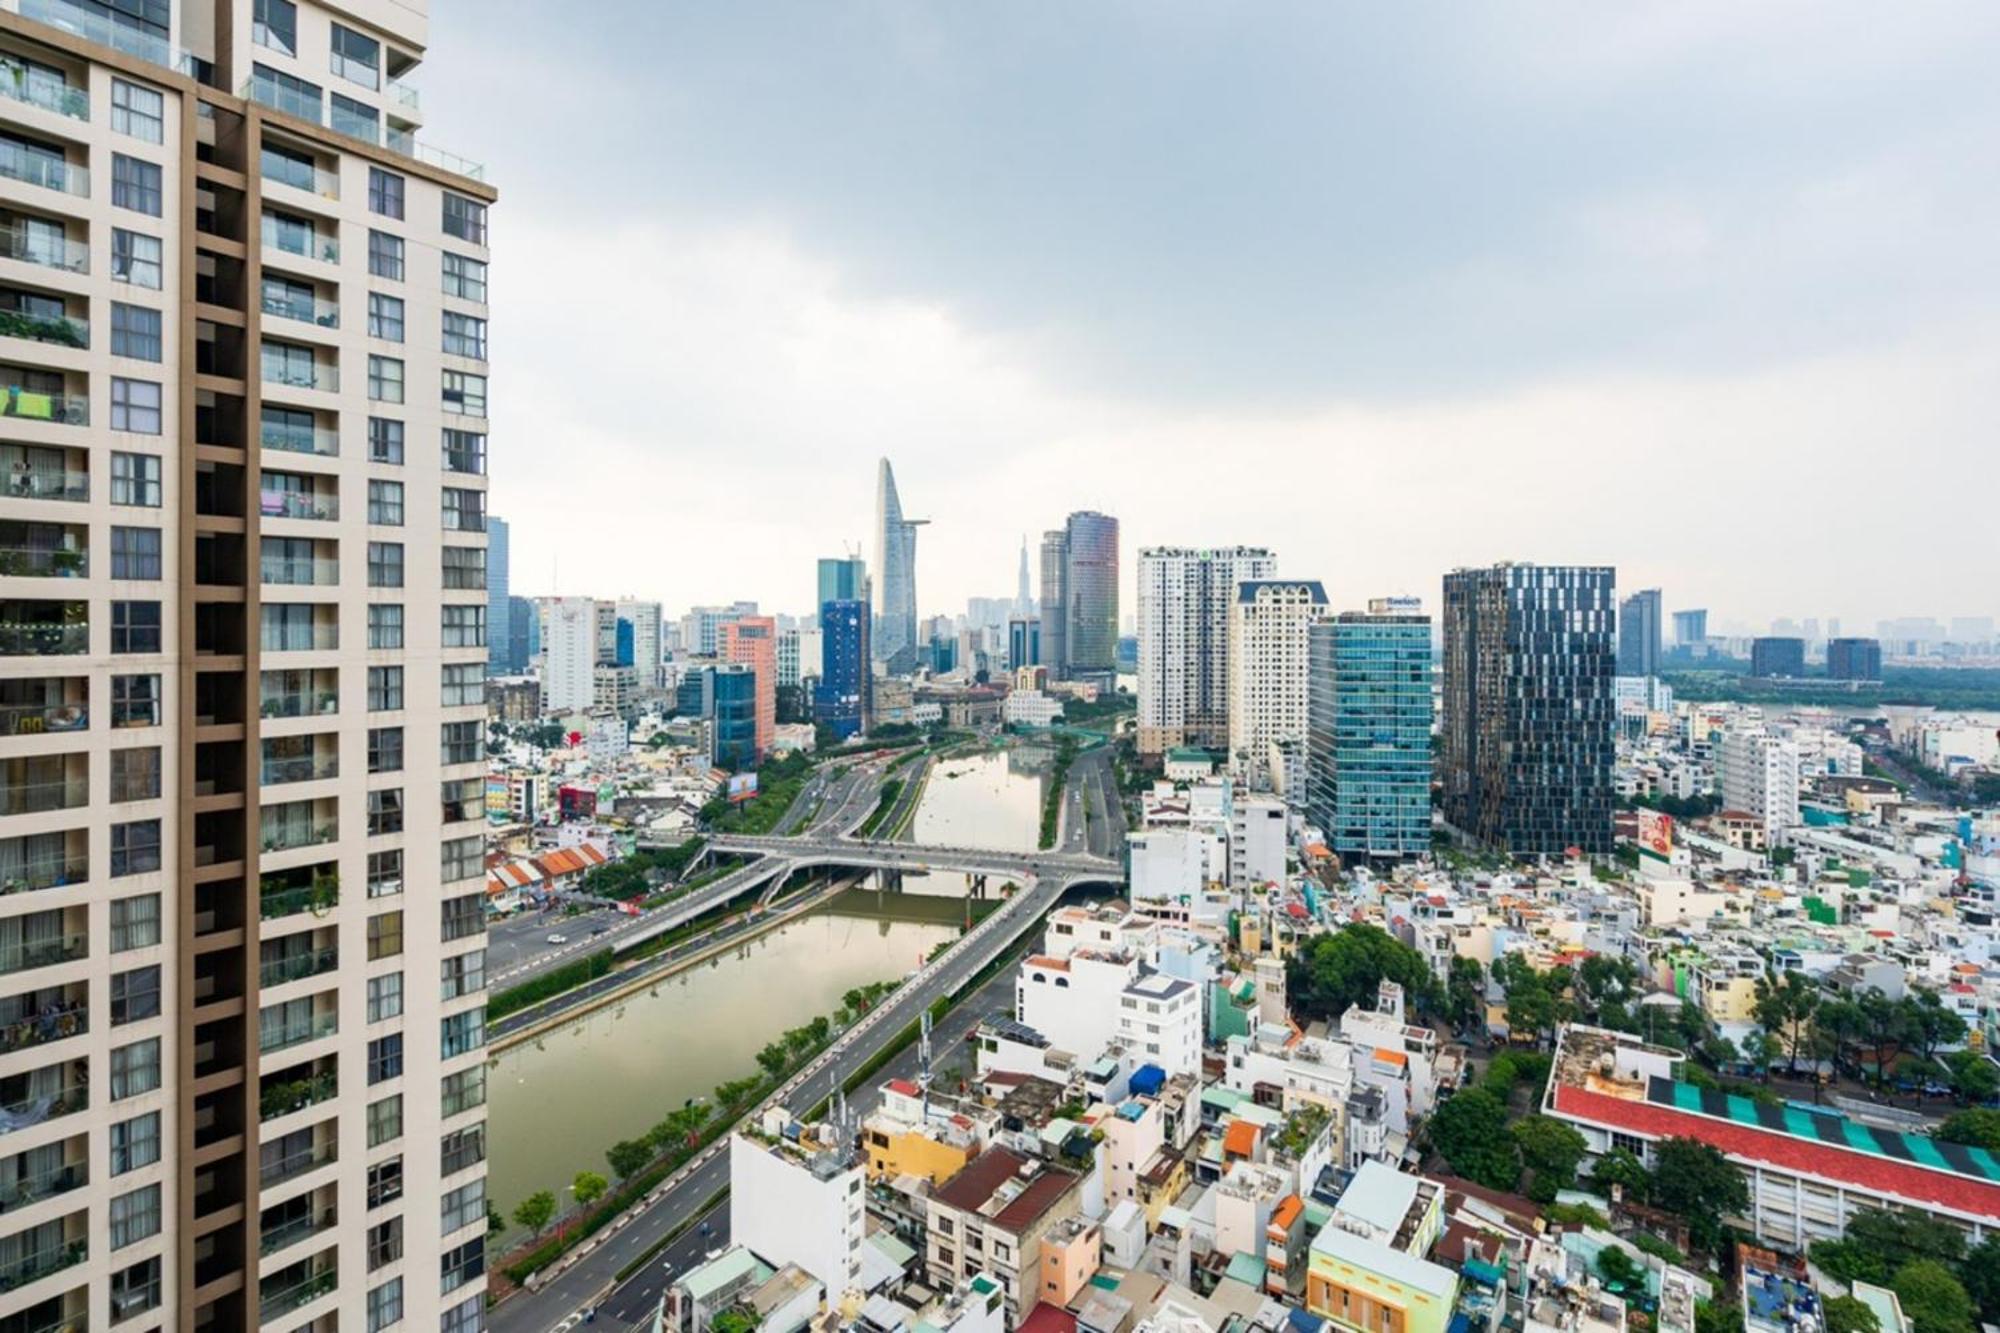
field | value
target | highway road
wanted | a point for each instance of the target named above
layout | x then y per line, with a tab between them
558	1304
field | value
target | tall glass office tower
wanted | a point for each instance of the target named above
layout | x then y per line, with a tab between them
1090	629
896	546
1368	741
844	696
842	579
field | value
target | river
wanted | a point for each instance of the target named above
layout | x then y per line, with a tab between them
556	1104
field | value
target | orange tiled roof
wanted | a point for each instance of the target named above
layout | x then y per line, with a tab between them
1240	1139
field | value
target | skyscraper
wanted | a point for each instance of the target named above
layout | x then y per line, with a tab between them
1368	749
842	579
1185	596
1090	620
753	641
1055	600
1690	628
843	699
1639	634
1529	712
1024	641
896	537
641	622
1024	592
1268	631
569	654
1778	656
732	727
1854	659
499	619
246	927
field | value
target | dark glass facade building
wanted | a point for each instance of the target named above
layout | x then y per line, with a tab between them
1778	657
1024	641
1854	659
732	733
842	579
1525	750
1080	600
1639	634
844	696
1368	737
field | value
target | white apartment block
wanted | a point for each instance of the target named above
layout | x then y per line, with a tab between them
1160	1023
1758	773
242	648
1074	1001
569	655
1185	596
1256	841
799	656
1268	651
799	1202
644	617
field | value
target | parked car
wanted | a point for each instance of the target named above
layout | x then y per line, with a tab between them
558	939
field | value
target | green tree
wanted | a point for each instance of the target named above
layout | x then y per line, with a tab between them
495	1223
1929	1025
627	1156
588	1187
1879	1242
1932	1298
773	1058
1973	1076
1465	993
1470	1130
1698	1184
1884	1030
1550	1149
1346	967
1836	1024
1981	1275
536	1212
1724	1316
1623	1168
1786	1002
1618	1269
1844	1314
1602	980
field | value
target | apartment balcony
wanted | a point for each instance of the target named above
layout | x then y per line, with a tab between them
34	246
68	946
316	699
62	330
42	1095
31	628
282	967
299	1152
294	432
303	242
299	573
315	310
44	472
33	87
92	25
396	140
286	1095
288	1032
30	400
403	95
299	627
38	861
321	377
290	836
310	505
296	1287
43	550
323	763
40	784
315	1219
27	1189
43	170
44	1017
45	1262
314	889
44	706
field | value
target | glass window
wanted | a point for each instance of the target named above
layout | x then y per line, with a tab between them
385	749
464	626
465	916
463	393
464	277
462	1263
385	193
465	451
462	974
135	922
465	568
385	1120
135	332
464	335
135	553
468	1316
464	218
385	873
462	1148
460	1034
135	1290
356	57
288	166
275	23
385	689
463	685
463	1206
385	811
135	995
139	112
463	510
464	1090
385	625
385	1243
385	1054
135	1143
460	742
385	255
135	185
385	1182
385	379
356	118
135	701
135	480
385	503
135	1216
285	92
385	938
385	996
385	564
135	847
385	440
385	317
135	406
135	1068
135	774
385	1304
135	627
136	259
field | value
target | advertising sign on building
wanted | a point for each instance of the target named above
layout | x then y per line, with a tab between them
742	786
1656	834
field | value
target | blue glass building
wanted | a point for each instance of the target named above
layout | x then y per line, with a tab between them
1368	738
732	733
844	696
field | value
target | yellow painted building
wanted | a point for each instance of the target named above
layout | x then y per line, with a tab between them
910	1152
1371	1287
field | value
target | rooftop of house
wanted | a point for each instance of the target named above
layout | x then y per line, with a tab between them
1009	1190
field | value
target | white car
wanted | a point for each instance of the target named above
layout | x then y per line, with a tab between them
558	939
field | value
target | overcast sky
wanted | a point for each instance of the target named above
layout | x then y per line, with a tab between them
1707	291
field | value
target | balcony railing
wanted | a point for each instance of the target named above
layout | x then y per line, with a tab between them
58	1022
49	485
302	703
298	504
62	330
287	1234
299	573
292	1034
301	768
297	1164
318	440
51	173
23	85
289	839
33	405
50	252
317	311
319	897
405	95
47	875
34	1267
272	1304
97	27
326	379
38	798
296	1095
42	719
35	639
44	1107
26	1190
311	245
25	957
299	966
42	562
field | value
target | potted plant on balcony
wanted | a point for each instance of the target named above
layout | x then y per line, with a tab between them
68	564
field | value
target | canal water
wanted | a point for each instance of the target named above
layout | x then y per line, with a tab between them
556	1104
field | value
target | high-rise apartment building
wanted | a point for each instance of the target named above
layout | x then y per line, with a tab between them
1269	627
1368	747
1758	773
569	654
701	627
1090	600
1055	600
639	622
1690	628
1854	659
242	938
1185	598
499	617
798	656
1777	656
895	640
524	635
753	642
844	698
842	579
1639	634
1529	710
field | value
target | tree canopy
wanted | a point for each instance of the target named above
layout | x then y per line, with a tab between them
1346	967
1470	1130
